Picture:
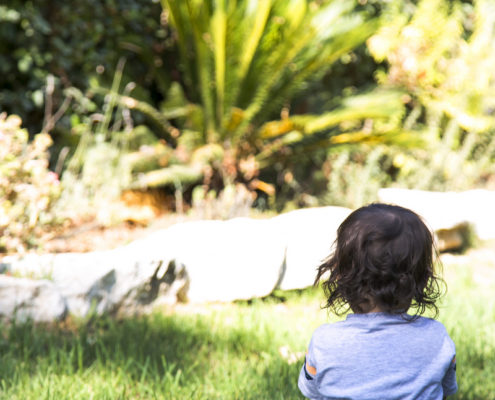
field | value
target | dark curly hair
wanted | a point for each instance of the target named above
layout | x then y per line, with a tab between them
383	258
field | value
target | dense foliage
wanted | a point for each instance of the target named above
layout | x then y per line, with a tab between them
76	42
445	62
229	102
27	188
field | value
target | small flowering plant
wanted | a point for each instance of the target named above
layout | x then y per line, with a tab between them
28	189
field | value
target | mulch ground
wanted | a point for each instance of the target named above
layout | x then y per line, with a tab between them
90	236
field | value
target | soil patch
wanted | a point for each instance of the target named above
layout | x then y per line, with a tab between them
91	236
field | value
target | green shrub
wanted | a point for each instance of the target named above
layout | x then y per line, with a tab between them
27	188
445	63
97	171
355	174
77	42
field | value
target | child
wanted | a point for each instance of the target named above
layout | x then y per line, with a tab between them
382	266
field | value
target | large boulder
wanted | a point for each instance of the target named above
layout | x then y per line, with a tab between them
76	276
244	258
451	215
105	281
477	207
194	261
197	261
26	299
310	234
438	209
241	258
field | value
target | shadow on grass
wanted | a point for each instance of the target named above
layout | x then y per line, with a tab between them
178	357
168	356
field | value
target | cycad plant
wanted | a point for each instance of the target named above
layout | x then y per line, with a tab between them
242	59
241	63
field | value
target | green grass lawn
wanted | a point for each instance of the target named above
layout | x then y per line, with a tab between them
236	351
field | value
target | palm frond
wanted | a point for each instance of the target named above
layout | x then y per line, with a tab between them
219	30
385	104
173	175
257	24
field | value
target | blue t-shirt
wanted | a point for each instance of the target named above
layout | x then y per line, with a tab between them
379	356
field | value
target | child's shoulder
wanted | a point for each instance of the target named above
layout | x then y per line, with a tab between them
331	329
429	322
380	319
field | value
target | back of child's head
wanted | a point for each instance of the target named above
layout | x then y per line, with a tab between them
383	259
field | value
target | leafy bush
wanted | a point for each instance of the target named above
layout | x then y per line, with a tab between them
27	188
111	156
354	175
97	171
445	62
76	42
441	168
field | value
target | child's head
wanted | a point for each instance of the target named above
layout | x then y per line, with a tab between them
383	259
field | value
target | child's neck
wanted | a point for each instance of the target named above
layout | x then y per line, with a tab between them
374	310
368	310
